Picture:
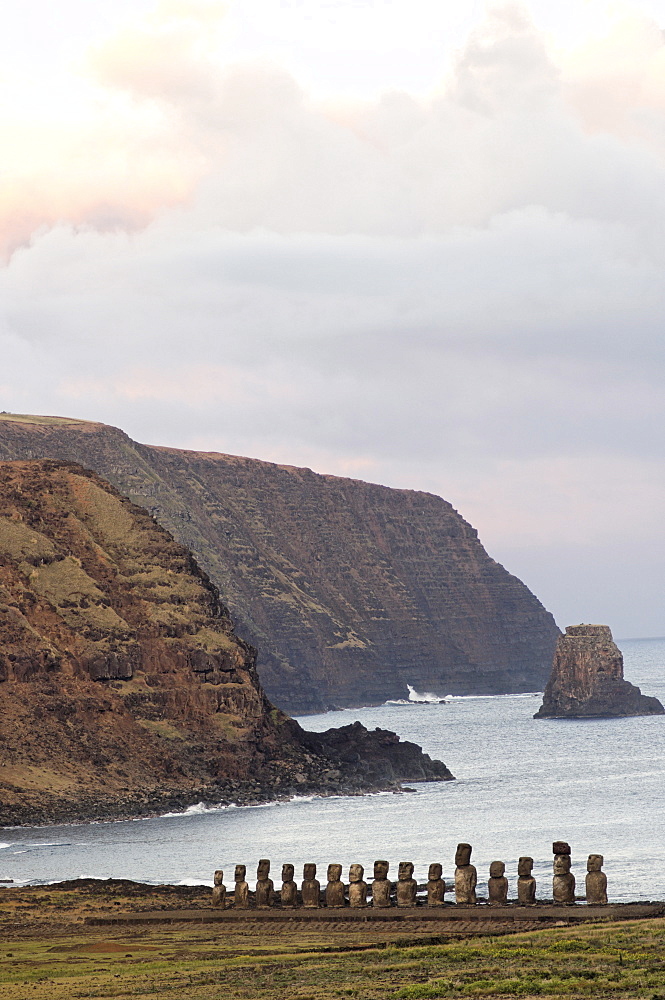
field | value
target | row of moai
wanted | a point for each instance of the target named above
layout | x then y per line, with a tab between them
385	893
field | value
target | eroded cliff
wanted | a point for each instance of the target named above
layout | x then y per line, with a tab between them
350	590
587	679
123	687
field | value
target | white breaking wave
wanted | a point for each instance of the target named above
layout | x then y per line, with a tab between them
2	846
426	697
196	810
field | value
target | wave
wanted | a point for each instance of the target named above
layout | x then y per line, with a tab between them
417	698
479	697
2	846
199	809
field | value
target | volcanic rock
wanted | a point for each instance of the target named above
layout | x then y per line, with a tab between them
124	690
587	679
351	591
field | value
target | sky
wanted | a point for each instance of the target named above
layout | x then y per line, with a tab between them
413	242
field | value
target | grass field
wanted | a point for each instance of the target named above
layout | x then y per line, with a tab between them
47	953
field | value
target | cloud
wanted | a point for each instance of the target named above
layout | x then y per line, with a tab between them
460	293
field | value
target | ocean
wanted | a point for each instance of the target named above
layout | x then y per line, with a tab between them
521	783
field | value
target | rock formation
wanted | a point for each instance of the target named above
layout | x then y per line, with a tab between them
350	591
123	687
587	679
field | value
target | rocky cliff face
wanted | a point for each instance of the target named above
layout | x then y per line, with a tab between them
587	679
351	591
123	688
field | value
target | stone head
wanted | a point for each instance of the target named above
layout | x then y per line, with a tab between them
405	871
287	873
240	872
497	869
309	872
463	855
560	847
435	871
381	870
334	873
525	867
356	873
561	864
595	863
263	869
219	877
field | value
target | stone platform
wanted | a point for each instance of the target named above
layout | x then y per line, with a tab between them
476	919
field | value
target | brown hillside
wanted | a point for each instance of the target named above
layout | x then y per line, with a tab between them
350	590
123	688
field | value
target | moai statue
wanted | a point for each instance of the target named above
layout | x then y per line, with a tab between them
311	887
526	883
497	886
264	885
436	887
241	893
596	880
288	895
406	885
335	889
357	887
219	890
563	884
466	876
381	886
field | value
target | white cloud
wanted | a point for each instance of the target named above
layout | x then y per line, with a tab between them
460	293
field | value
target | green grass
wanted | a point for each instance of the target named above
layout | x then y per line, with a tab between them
247	961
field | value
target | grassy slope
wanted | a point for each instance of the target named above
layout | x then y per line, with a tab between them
46	955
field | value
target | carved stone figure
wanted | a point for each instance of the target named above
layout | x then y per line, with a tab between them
241	892
466	876
381	886
497	886
563	884
288	895
335	889
596	880
526	883
406	885
264	885
219	890
311	887
357	887
436	887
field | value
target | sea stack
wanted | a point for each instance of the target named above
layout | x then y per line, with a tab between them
587	679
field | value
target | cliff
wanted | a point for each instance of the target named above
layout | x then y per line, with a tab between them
350	590
587	679
123	687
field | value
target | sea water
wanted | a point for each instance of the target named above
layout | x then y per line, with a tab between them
521	783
